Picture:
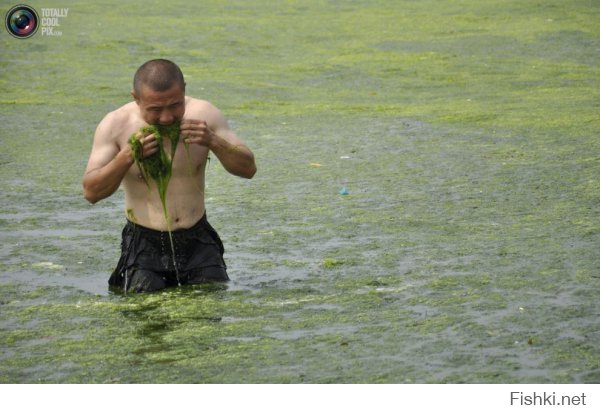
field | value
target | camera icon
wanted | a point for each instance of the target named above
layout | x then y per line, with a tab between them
22	21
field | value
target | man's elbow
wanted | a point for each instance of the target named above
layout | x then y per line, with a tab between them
251	172
91	196
246	171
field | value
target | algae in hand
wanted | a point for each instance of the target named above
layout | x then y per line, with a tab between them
158	166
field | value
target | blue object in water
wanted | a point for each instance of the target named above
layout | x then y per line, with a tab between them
344	191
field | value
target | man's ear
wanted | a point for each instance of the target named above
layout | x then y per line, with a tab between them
135	97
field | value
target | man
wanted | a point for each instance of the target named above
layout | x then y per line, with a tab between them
148	262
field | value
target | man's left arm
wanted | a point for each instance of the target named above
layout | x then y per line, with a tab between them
233	154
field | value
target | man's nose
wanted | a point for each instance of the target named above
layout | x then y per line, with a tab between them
166	118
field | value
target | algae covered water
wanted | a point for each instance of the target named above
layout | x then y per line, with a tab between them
463	249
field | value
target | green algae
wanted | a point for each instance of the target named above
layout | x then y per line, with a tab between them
131	215
159	166
472	226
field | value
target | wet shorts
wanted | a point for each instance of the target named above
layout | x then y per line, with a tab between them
147	264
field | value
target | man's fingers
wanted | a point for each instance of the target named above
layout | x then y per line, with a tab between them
185	125
192	125
147	138
148	151
149	145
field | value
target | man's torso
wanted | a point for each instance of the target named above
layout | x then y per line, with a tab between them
185	191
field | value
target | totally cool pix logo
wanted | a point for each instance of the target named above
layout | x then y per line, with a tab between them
23	21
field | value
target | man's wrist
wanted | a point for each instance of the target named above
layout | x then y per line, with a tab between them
126	154
214	142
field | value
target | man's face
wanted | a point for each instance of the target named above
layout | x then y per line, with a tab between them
162	108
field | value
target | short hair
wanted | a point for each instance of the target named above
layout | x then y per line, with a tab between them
158	74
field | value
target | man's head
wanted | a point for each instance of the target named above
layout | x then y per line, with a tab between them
159	91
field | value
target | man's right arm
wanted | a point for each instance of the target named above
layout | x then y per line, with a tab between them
107	164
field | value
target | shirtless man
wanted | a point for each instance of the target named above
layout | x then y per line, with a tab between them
147	261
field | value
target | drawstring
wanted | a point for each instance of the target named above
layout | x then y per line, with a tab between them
128	249
126	282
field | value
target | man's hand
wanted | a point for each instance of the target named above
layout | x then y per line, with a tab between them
149	144
221	141
196	132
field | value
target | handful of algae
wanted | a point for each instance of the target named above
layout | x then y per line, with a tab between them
159	166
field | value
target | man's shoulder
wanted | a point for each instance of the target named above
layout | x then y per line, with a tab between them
118	123
121	115
198	104
201	108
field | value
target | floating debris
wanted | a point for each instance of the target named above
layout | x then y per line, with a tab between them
47	265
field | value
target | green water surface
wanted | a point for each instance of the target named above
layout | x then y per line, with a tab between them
466	249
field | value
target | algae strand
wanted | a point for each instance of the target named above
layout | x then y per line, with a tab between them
158	167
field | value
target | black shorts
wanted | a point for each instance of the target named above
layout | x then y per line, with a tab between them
147	264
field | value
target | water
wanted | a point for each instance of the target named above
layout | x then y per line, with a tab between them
464	251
